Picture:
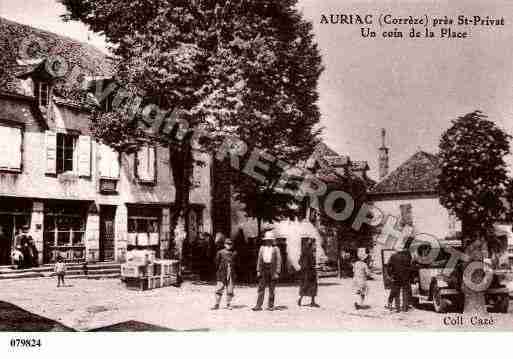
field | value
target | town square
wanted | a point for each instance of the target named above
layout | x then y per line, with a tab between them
243	165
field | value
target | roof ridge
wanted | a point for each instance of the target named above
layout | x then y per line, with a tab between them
402	172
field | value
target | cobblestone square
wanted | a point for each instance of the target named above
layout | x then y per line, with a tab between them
93	304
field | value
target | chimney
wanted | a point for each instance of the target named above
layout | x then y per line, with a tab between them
383	157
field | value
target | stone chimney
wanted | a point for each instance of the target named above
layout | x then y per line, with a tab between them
383	157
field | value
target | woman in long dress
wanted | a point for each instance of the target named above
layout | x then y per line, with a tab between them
308	284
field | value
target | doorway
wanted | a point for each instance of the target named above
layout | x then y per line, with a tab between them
10	224
107	233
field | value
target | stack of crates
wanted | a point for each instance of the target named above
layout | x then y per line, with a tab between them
160	273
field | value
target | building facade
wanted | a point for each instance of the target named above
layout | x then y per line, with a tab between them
82	200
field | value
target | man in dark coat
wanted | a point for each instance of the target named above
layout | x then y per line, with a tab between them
268	270
400	270
25	241
308	284
225	273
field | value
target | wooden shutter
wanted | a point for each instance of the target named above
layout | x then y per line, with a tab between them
109	162
16	147
151	164
84	156
51	152
142	164
114	164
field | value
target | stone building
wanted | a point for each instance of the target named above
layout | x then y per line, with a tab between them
409	194
81	199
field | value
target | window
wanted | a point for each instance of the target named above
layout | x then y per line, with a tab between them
107	103
10	148
143	227
406	214
145	166
42	93
64	233
66	152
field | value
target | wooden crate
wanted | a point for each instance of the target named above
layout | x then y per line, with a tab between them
136	283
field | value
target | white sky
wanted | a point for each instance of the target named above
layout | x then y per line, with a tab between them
410	87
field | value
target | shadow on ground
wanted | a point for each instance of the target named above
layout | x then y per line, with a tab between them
135	326
16	319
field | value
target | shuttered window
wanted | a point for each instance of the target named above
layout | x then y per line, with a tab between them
10	148
146	164
109	162
68	153
66	146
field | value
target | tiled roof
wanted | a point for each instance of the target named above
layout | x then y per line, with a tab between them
85	59
418	174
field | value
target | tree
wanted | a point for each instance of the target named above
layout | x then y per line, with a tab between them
241	68
473	179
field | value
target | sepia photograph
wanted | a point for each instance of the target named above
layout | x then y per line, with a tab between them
253	166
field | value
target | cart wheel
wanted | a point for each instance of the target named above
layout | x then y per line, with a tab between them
439	302
502	304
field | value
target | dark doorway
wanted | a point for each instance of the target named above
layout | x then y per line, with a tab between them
107	234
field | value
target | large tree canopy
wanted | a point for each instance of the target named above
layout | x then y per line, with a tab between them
473	174
244	68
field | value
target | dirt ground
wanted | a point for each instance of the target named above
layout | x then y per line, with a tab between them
96	304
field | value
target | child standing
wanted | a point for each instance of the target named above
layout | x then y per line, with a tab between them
361	271
225	273
60	270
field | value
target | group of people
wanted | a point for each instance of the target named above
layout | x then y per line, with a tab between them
268	268
400	271
25	253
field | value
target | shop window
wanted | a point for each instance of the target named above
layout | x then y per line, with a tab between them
143	228
145	164
64	234
10	148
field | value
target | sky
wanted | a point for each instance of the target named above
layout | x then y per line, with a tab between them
410	87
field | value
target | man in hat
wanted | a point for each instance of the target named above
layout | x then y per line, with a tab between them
225	273
268	270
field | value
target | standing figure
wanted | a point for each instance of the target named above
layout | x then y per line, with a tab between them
23	240
360	273
268	270
60	271
308	285
225	273
400	270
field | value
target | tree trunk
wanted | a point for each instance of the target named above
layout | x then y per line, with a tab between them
181	165
259	227
475	302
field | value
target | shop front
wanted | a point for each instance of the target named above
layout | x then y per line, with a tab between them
144	228
64	231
